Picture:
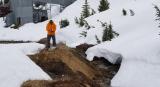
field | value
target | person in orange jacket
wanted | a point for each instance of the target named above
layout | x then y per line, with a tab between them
51	29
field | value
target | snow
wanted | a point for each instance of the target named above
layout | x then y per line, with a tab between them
34	32
54	10
114	58
27	32
137	44
16	67
137	73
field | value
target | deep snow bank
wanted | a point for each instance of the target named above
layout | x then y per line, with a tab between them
16	67
138	42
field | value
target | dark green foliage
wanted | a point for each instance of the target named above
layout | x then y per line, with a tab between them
124	12
93	12
76	20
83	34
108	33
103	24
85	11
86	25
97	39
81	21
132	12
64	23
104	5
84	14
157	13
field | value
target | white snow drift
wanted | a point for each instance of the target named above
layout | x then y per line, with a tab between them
16	67
138	42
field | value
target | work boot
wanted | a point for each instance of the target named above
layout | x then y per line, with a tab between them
54	44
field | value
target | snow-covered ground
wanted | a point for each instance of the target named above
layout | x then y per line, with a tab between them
16	67
138	42
30	31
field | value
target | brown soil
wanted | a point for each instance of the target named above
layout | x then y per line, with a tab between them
69	68
44	83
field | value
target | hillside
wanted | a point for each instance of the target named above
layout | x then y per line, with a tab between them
138	41
16	67
136	47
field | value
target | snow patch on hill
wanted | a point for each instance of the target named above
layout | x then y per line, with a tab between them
138	42
16	67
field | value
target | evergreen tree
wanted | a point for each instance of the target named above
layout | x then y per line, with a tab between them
81	21
93	12
86	25
97	39
104	5
64	23
157	13
108	33
105	34
124	12
132	12
84	14
85	11
111	34
83	34
76	20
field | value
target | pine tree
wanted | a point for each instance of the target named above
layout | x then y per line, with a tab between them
124	12
108	33
83	34
76	20
81	21
85	11
64	23
93	12
111	34
105	34
104	5
132	12
157	13
86	25
97	39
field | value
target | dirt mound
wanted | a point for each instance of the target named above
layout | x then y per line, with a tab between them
69	57
42	41
69	66
84	47
45	83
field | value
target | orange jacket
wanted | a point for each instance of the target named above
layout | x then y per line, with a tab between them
51	28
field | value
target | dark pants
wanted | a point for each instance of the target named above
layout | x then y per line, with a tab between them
49	39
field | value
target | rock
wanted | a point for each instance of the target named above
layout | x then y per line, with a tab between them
42	41
84	47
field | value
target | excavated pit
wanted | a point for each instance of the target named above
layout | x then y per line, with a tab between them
68	67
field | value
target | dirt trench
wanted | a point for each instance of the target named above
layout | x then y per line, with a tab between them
68	67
